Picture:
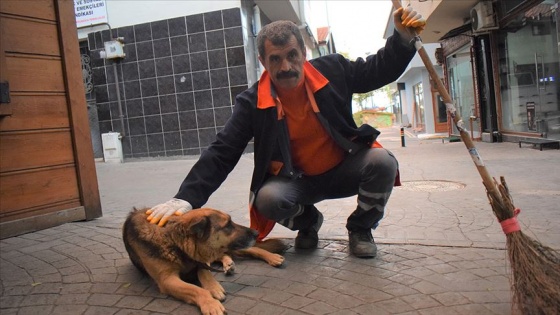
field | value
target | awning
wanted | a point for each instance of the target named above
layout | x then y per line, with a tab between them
457	31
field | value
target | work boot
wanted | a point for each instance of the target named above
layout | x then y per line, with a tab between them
309	238
362	244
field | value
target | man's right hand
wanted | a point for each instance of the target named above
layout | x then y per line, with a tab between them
162	212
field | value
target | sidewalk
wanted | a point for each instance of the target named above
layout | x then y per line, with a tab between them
441	250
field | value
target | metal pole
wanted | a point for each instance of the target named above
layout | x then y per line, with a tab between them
402	137
121	116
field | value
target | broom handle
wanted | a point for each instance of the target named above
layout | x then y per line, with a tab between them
486	178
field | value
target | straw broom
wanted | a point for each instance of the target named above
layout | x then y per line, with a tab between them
535	279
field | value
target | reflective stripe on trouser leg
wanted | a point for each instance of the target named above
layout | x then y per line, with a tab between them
368	219
289	222
372	201
305	218
376	184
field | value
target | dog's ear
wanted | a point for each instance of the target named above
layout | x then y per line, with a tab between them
200	227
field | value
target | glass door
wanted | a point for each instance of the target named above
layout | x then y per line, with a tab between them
529	71
461	87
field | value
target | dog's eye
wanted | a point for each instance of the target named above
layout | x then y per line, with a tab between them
228	227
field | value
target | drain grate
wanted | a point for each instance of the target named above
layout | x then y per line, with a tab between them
431	185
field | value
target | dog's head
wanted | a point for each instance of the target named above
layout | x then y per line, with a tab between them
206	234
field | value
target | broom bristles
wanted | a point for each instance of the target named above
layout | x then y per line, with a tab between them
535	267
536	275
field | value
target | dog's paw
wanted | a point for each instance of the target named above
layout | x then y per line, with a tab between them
275	260
218	292
212	307
228	265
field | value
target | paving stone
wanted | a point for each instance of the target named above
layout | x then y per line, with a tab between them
163	305
439	310
17	290
426	287
297	302
138	312
343	312
301	289
239	304
368	309
341	301
55	277
104	277
276	296
404	279
10	301
99	299
251	292
54	288
77	278
265	308
231	287
134	302
395	305
69	309
101	310
450	298
420	301
187	309
397	289
132	288
34	310
84	287
318	308
39	299
72	299
48	256
361	292
365	280
327	282
280	284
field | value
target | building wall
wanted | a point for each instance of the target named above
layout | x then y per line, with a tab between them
124	13
415	73
408	98
177	82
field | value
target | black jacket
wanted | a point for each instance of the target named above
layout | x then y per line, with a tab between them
335	105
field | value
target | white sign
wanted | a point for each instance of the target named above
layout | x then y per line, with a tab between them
90	12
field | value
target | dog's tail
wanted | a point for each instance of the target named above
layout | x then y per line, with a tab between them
273	245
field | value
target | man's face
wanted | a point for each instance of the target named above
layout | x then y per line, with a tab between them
284	63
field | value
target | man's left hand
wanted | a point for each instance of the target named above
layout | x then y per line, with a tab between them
408	23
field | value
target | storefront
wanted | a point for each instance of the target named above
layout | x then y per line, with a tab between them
529	70
504	78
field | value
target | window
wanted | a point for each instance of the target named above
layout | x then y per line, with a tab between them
419	122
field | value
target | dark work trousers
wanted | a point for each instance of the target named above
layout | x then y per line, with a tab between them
370	174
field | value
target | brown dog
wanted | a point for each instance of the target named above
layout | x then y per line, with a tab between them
186	246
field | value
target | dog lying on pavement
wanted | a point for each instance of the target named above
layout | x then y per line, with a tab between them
186	246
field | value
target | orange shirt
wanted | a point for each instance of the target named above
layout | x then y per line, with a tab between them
313	150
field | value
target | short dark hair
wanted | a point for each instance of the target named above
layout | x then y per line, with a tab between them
279	33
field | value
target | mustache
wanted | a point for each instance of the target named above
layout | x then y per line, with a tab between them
287	74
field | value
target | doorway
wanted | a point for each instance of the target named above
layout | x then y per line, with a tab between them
461	87
440	112
418	108
87	76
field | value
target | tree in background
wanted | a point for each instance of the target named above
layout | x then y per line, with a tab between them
361	100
